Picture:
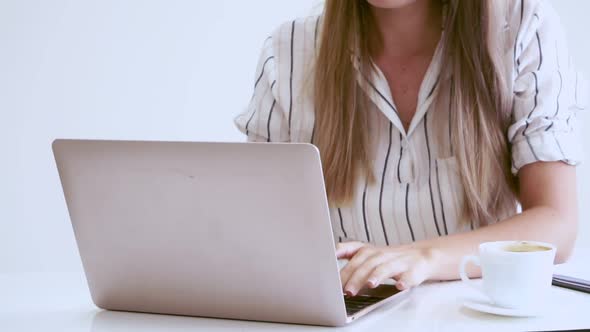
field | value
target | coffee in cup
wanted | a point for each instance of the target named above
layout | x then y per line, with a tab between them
525	247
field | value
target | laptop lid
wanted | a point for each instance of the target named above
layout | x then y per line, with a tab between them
231	230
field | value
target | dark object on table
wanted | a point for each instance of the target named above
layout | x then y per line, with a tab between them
571	283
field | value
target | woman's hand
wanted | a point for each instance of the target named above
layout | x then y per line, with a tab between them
369	266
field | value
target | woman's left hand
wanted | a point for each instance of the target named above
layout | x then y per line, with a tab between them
369	266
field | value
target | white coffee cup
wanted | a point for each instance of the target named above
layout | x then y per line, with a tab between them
512	279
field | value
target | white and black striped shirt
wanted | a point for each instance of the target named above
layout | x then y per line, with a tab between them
418	193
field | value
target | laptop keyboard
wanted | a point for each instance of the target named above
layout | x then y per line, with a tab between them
357	303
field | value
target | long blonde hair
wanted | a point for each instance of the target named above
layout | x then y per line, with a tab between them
480	99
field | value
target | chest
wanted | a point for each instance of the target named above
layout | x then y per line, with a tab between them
404	76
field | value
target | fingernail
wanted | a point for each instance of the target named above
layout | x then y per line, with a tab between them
400	285
373	283
347	293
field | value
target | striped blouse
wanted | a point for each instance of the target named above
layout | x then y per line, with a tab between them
418	193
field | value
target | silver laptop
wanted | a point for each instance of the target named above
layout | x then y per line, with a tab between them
228	230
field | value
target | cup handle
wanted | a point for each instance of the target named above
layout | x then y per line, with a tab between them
466	260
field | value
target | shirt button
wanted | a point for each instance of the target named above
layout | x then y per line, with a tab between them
405	143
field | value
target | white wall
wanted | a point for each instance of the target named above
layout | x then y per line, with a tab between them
577	27
132	69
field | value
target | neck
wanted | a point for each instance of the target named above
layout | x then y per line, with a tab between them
413	29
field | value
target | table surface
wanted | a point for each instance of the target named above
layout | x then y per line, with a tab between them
61	302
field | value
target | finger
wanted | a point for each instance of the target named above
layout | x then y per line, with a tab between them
358	277
392	268
359	257
412	277
345	250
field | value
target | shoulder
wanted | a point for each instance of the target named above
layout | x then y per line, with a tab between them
294	42
522	11
300	31
527	17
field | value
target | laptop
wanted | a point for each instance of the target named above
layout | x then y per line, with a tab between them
226	230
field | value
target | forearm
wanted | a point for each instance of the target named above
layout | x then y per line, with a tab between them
540	223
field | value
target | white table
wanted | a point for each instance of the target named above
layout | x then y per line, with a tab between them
61	302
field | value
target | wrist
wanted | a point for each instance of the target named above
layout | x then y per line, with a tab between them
439	261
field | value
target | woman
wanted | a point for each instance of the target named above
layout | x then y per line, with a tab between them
434	120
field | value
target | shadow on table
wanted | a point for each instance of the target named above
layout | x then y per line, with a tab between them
108	321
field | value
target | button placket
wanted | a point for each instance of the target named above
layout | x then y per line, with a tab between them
405	143
407	161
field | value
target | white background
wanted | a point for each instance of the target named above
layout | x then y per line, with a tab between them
137	69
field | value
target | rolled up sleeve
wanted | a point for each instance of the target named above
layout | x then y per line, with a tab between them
547	93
